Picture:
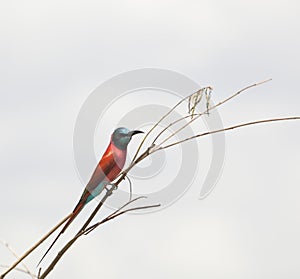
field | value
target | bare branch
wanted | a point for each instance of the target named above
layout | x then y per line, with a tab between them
230	128
159	121
130	187
88	230
211	108
20	270
84	228
172	124
10	249
34	246
118	213
130	209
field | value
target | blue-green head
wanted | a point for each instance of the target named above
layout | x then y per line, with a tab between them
122	136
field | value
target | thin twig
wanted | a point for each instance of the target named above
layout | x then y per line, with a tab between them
172	124
11	250
20	270
230	128
130	187
128	210
34	247
211	108
88	230
120	212
57	258
158	122
126	204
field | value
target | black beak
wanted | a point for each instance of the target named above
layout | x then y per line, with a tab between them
136	132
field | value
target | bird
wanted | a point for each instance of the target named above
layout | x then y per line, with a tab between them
108	168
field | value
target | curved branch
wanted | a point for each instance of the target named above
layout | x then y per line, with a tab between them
230	128
213	107
158	122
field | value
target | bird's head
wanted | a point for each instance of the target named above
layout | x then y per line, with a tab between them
122	136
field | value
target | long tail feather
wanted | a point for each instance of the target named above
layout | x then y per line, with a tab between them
76	211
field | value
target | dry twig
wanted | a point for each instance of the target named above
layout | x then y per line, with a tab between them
26	269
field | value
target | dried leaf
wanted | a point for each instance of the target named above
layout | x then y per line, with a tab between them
195	99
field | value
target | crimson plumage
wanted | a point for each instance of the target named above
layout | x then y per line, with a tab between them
108	168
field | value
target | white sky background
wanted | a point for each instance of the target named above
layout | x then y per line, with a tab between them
54	53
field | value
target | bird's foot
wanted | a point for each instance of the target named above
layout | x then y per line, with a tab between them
110	188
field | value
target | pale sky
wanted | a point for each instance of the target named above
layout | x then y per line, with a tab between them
55	53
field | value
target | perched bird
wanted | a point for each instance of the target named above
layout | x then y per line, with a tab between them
107	170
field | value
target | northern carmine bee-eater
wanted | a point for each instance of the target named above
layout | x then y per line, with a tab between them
107	170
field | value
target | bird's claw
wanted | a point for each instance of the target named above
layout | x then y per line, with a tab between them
110	187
